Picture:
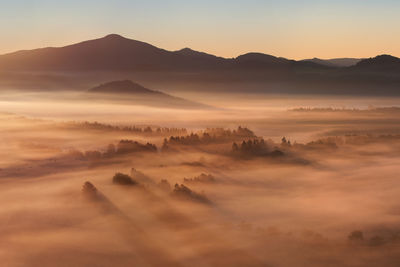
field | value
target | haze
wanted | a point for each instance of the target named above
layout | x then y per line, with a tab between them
126	150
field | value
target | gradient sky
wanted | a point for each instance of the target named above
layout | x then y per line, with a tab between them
289	28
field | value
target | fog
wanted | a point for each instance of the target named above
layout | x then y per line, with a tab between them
325	195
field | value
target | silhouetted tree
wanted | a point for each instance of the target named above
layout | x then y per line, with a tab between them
89	191
123	179
202	178
140	177
254	148
129	146
183	192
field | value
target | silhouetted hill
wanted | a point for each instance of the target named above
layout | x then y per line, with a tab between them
263	61
129	92
120	58
335	62
196	54
122	87
260	60
380	63
116	53
111	53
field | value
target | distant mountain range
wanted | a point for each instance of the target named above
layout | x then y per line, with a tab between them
111	53
116	54
335	62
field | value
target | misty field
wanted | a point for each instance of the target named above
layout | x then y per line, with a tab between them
101	184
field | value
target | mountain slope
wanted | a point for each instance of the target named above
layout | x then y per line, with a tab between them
111	53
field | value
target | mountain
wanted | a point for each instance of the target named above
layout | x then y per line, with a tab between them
111	53
122	88
386	63
264	61
116	53
128	92
335	62
113	57
196	54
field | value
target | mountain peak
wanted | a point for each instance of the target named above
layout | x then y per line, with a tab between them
260	58
131	92
386	57
114	36
122	87
186	49
381	62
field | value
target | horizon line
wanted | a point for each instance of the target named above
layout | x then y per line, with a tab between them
201	51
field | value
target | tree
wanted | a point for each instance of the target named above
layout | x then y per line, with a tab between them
123	179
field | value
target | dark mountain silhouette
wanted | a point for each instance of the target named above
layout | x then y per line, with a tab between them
335	62
380	63
111	53
263	61
260	61
129	92
120	58
123	87
116	53
199	55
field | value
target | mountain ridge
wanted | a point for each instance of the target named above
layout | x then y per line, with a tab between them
117	53
335	62
117	58
382	62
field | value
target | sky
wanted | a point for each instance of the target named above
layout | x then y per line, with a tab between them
294	29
